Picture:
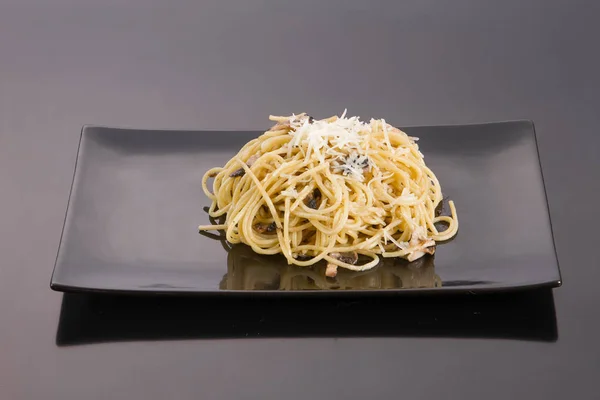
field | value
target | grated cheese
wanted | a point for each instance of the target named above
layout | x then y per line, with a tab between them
290	192
400	245
406	195
332	138
353	165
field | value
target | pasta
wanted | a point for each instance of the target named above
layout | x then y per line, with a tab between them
338	189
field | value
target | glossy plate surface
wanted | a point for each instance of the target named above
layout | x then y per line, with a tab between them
137	200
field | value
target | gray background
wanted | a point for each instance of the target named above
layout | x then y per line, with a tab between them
227	65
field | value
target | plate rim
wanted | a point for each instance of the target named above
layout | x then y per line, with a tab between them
550	284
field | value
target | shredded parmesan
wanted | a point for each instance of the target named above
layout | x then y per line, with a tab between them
290	192
400	245
331	138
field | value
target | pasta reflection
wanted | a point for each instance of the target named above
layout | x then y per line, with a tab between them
247	270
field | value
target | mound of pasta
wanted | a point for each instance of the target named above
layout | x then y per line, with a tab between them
338	189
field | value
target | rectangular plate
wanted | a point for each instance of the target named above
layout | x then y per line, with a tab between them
136	202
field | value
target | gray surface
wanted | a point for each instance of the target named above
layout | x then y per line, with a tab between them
227	65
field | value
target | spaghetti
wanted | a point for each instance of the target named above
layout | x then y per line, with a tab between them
338	189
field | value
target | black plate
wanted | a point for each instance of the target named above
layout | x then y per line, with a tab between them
136	201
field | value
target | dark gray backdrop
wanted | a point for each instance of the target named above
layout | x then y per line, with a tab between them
226	65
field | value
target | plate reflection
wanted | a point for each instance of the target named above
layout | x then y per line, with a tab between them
247	270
